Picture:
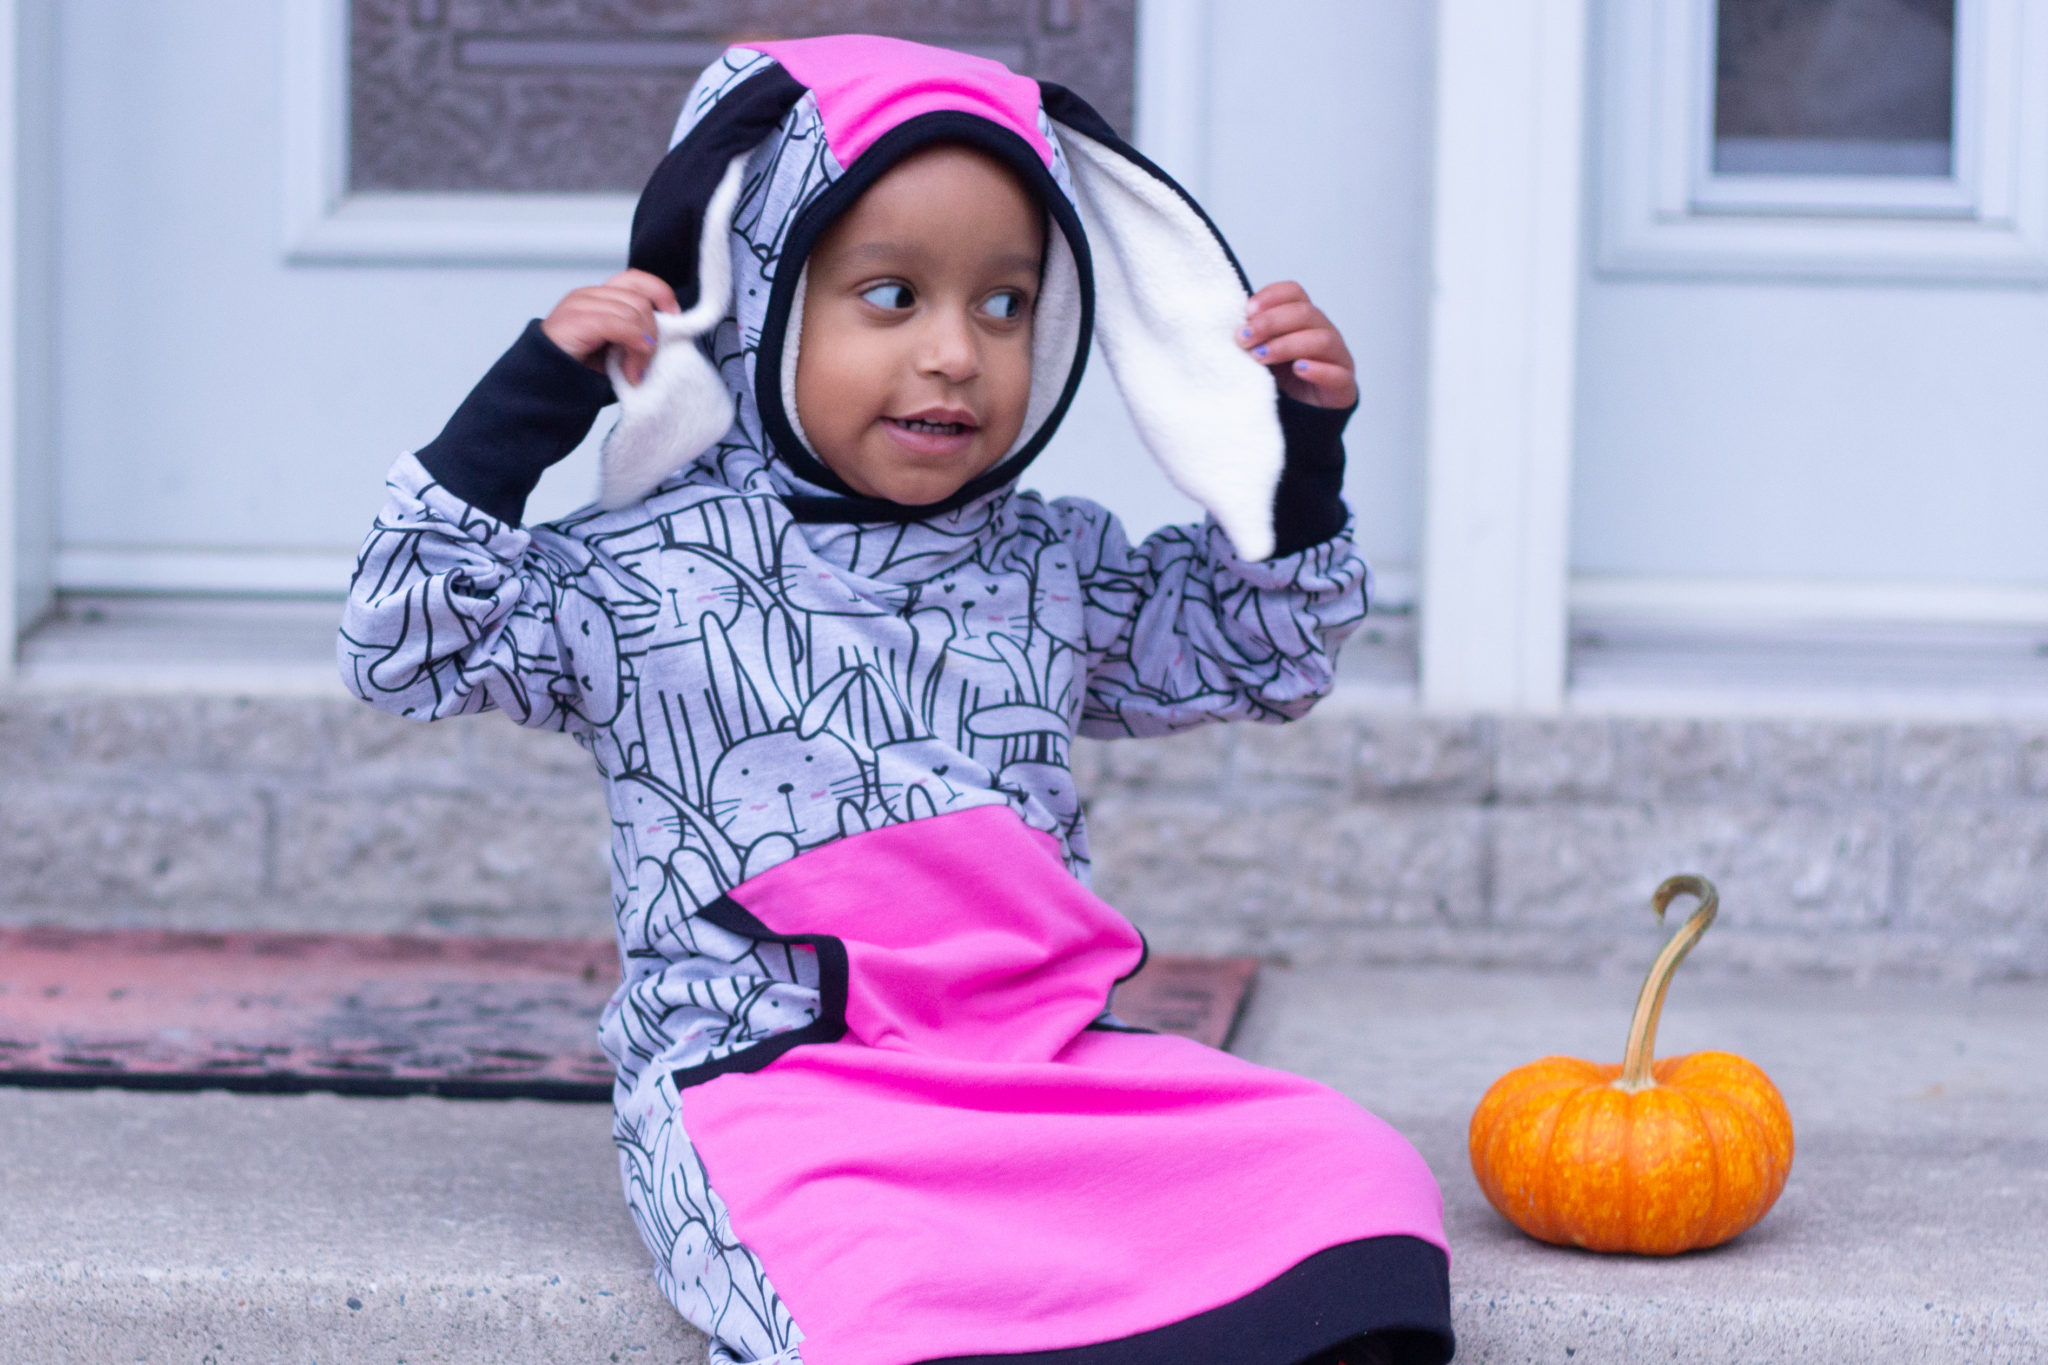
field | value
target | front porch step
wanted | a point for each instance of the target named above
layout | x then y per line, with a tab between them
230	1228
1843	848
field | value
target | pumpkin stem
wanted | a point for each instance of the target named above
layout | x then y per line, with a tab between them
1642	1028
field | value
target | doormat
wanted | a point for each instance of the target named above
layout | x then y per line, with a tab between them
364	1014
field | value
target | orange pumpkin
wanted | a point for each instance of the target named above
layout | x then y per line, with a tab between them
1652	1159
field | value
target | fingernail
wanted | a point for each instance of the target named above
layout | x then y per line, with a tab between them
1259	351
647	338
1301	367
1245	332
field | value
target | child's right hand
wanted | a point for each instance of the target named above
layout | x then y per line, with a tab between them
619	312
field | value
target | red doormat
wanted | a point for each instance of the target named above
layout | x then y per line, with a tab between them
383	1015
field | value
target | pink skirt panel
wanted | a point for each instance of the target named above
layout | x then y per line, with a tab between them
958	1177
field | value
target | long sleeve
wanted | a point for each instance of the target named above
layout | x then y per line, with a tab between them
1180	630
454	607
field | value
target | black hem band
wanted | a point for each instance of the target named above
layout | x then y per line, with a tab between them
1396	1289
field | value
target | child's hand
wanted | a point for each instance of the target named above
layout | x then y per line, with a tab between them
1300	346
619	312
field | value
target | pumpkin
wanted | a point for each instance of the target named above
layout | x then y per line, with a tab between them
1642	1157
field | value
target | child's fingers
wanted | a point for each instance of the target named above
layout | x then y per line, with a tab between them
1322	382
1278	321
653	288
1310	343
1282	291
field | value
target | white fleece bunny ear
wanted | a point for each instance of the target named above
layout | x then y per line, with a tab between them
1168	304
680	406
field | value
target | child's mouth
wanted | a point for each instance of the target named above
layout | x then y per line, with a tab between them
929	437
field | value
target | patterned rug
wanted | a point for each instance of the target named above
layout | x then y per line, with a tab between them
383	1014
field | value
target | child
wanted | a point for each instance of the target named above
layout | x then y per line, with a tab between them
871	1107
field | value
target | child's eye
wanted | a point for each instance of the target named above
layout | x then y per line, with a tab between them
891	296
1007	305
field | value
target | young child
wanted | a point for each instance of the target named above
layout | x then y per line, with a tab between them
871	1107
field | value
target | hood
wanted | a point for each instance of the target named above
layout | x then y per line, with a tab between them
776	140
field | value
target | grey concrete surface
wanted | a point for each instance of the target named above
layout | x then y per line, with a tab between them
1856	848
189	1228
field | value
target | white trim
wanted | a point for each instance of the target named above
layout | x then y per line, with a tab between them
1503	329
326	225
1171	95
28	503
1806	601
257	572
1664	211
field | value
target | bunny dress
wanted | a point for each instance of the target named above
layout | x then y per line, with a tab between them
871	1107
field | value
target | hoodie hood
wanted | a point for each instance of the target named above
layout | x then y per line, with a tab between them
777	140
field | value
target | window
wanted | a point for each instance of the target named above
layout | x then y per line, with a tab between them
1825	138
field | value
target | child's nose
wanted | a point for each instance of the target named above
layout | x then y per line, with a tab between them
950	349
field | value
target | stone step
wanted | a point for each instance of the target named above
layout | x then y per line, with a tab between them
190	1227
1845	847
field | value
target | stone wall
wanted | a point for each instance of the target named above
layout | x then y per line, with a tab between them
1840	848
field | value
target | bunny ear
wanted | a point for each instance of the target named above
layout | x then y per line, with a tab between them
680	406
1169	300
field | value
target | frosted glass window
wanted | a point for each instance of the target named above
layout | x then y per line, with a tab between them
1834	87
579	96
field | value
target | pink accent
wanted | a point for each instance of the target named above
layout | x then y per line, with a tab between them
866	85
970	1172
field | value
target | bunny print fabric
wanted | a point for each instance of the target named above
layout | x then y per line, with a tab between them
803	705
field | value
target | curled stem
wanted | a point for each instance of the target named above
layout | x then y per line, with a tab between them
1642	1027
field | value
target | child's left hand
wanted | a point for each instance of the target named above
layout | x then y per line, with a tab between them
1300	346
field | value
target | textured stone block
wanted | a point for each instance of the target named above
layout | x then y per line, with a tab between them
1777	867
1200	757
368	745
1814	760
1678	759
1954	760
494	745
30	734
1191	861
1972	870
94	849
2032	756
1422	756
475	854
1314	751
1541	760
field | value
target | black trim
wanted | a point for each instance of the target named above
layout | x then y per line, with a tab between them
830	1025
669	219
1396	1289
893	146
1308	506
1064	106
529	410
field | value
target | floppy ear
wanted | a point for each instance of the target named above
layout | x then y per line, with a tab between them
680	406
682	233
1169	300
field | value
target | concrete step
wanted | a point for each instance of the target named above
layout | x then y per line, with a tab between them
1847	848
210	1227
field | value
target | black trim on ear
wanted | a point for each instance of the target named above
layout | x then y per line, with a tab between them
670	215
893	146
1064	106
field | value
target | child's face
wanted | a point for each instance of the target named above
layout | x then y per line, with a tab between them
915	362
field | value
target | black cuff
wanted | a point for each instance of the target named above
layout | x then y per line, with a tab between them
1308	507
529	410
